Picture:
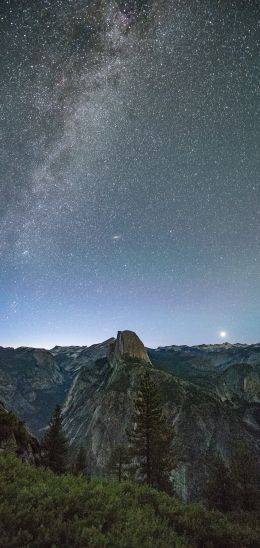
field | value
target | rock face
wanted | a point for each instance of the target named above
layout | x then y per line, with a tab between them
72	358
31	383
209	411
210	393
128	345
14	437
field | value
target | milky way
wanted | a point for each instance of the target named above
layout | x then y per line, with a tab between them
129	193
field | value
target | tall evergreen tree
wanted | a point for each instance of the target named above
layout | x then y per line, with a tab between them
118	463
151	436
218	490
81	461
54	446
245	478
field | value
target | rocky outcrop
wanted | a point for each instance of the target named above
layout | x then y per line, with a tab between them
239	382
16	438
128	345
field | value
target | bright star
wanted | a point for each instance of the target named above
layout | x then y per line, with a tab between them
222	334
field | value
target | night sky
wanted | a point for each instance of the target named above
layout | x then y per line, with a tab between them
129	192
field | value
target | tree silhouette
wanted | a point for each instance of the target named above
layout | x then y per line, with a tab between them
218	490
54	445
245	477
151	436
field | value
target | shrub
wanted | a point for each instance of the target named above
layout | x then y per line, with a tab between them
39	509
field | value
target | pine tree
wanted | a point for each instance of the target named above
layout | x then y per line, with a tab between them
218	490
81	461
151	437
245	478
118	463
54	446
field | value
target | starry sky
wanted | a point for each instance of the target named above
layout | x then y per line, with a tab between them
129	190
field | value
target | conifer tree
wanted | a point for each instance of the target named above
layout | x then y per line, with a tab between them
119	461
218	490
81	461
245	478
151	436
54	444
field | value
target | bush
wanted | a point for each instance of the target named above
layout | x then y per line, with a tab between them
39	509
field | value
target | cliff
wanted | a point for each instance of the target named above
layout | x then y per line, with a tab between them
16	438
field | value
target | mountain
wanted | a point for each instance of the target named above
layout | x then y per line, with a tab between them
204	360
211	394
71	358
99	405
31	383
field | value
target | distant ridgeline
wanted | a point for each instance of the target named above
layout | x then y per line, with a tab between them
210	395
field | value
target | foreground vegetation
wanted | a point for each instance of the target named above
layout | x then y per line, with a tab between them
41	509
